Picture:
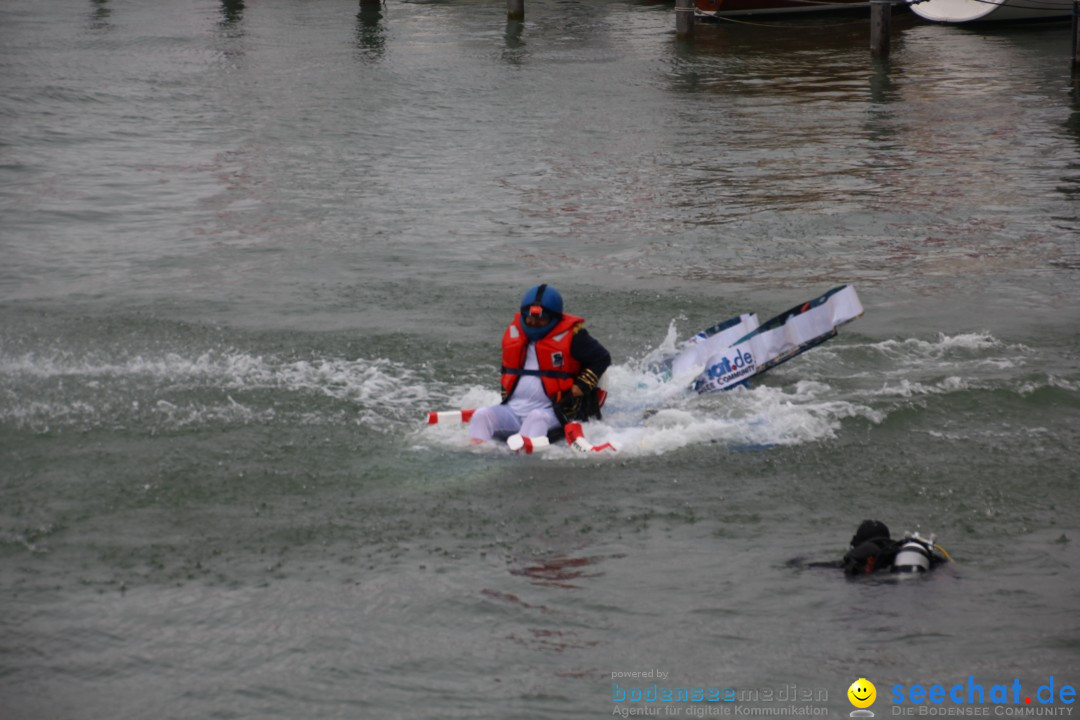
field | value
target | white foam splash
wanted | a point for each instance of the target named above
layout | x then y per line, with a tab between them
360	379
647	416
951	349
61	389
1054	382
905	388
759	417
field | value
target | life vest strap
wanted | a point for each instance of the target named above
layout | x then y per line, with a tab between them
538	373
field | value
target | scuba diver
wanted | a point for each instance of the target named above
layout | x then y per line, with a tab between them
874	550
551	375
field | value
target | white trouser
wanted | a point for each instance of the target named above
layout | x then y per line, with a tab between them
499	421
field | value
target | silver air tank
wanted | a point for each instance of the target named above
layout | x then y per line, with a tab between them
914	554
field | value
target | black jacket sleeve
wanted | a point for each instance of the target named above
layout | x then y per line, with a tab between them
594	359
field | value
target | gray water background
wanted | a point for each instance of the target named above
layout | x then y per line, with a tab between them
245	247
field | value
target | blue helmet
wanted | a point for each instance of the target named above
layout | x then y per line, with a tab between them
545	296
541	300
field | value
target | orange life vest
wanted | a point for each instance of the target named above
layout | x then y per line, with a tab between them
557	367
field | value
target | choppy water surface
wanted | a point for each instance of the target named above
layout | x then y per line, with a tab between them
247	246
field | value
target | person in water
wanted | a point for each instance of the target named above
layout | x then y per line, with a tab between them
551	371
873	550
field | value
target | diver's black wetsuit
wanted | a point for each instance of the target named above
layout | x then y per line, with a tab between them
870	556
873	550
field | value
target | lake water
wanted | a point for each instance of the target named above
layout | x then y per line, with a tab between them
246	247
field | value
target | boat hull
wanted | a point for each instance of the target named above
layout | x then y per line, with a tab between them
967	11
735	8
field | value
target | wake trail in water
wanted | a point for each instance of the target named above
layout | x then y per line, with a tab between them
174	390
805	401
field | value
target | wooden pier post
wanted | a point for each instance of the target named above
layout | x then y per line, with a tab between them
515	10
684	17
1076	37
880	27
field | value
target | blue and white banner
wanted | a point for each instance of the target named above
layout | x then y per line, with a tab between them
781	338
707	343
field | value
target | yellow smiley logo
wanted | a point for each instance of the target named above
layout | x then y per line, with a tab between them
862	693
